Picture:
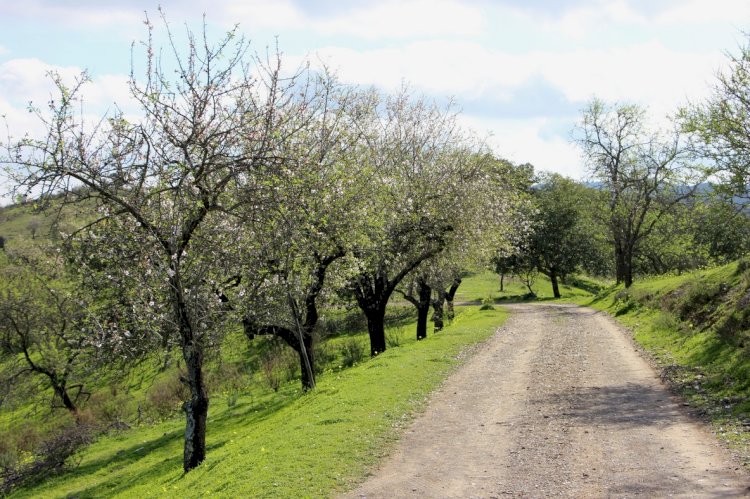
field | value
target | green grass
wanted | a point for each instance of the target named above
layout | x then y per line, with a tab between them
484	287
281	444
681	321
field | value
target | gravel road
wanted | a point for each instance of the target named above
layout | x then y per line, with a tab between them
558	403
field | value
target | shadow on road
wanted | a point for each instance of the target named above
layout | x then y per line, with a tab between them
627	405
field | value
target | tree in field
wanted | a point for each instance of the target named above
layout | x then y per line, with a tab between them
420	163
559	241
703	231
161	185
721	125
417	290
45	330
645	174
491	210
314	209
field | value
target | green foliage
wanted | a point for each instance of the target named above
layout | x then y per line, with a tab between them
720	124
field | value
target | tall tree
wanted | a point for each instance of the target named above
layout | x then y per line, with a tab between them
314	211
721	126
645	174
207	122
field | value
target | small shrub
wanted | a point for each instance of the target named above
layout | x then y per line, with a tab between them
742	266
227	377
698	301
28	439
622	296
666	322
8	453
324	356
108	407
232	397
55	454
486	306
270	366
393	338
165	397
352	352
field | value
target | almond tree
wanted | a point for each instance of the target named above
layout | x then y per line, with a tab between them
314	211
45	329
209	119
419	159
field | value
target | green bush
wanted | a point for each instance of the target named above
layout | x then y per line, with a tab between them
165	397
352	352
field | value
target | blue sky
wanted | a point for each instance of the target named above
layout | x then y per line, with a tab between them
520	70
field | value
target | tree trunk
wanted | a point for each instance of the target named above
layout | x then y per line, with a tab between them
627	270
619	264
437	314
196	409
376	329
555	287
307	364
62	392
423	309
502	279
449	312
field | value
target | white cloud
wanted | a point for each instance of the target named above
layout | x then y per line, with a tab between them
72	14
25	81
581	21
520	141
408	19
377	20
702	12
648	73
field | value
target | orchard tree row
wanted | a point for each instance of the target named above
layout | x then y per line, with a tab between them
241	193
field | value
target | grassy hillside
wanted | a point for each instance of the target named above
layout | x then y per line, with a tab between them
696	327
268	444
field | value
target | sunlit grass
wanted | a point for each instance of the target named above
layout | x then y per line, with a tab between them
281	444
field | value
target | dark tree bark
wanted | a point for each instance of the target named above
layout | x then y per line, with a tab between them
437	311
196	408
502	281
422	303
451	293
376	329
305	350
58	380
196	411
555	287
373	290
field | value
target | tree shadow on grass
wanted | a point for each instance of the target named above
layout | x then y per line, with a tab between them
116	463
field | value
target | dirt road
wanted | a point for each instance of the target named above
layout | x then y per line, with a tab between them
557	404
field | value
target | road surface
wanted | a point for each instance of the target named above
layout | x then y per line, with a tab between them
558	403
